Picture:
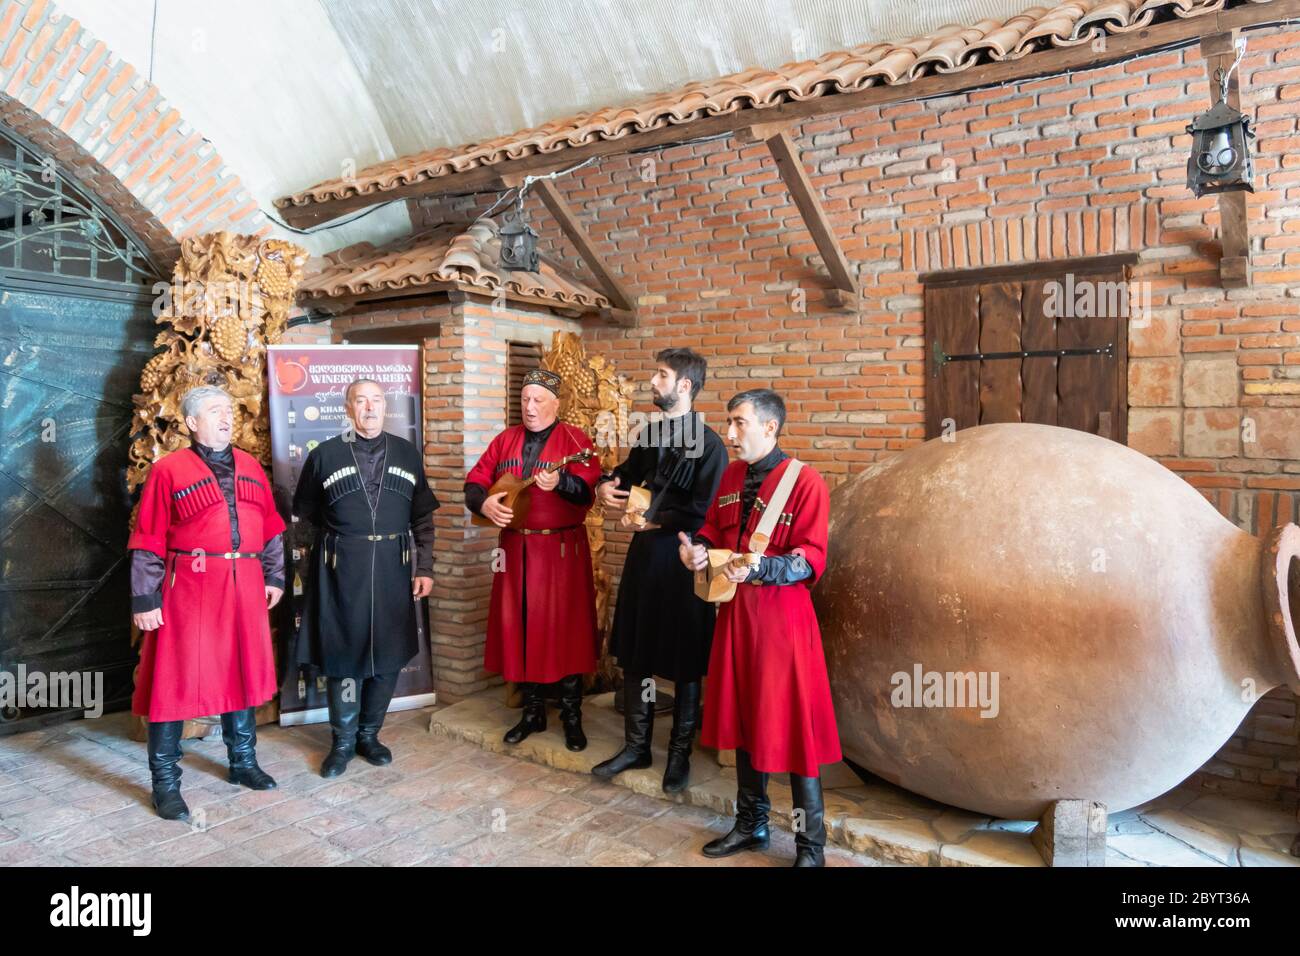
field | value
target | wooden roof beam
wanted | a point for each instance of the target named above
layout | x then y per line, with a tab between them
572	227
1084	56
790	166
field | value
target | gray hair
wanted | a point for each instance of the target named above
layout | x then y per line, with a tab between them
347	392
768	405
193	401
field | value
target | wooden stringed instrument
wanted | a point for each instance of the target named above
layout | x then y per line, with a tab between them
514	487
638	503
711	582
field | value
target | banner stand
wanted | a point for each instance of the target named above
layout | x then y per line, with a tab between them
307	385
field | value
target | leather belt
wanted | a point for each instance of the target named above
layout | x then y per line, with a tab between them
528	531
332	556
217	554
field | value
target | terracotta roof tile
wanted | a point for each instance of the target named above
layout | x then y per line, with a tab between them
462	254
947	50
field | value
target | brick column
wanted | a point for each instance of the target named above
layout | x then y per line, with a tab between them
466	382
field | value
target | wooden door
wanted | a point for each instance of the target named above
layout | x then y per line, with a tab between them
1045	343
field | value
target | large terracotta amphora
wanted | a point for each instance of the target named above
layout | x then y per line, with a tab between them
1025	613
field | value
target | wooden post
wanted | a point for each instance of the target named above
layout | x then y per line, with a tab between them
1072	833
1234	231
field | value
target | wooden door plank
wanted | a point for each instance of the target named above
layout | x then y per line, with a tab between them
999	379
1119	371
1085	384
1038	331
952	391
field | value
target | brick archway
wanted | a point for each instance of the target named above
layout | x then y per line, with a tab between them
67	93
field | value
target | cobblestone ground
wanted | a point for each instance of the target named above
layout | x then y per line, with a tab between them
78	794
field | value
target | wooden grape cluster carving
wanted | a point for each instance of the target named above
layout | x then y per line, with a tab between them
596	399
229	298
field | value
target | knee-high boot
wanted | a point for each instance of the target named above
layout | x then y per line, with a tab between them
752	806
638	727
164	749
810	825
571	712
376	695
344	697
239	731
534	716
686	717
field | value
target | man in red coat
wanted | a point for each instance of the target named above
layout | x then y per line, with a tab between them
542	619
207	562
768	695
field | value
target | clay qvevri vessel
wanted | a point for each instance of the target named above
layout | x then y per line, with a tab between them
1129	625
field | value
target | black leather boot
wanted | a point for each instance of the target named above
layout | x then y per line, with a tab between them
343	695
810	832
571	712
165	768
638	726
534	717
239	731
752	806
376	695
686	717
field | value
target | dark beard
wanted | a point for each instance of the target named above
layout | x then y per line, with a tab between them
665	403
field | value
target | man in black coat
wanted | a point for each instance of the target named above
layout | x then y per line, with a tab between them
661	629
366	493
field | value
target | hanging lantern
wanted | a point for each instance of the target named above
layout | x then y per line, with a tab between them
518	244
1220	160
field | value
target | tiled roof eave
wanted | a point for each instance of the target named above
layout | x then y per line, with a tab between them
949	50
447	258
373	291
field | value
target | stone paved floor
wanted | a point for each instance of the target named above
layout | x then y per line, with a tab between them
77	794
1184	827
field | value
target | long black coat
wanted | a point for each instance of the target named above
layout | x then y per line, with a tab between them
660	626
358	616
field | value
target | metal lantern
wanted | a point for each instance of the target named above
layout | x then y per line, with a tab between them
1220	160
518	245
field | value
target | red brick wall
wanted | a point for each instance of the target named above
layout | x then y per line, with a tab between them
466	394
89	109
707	238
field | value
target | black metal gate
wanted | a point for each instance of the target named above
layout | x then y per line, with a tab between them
76	327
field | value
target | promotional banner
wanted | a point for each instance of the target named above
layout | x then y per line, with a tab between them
307	385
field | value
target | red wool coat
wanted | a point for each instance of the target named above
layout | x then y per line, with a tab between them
542	618
213	652
767	690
